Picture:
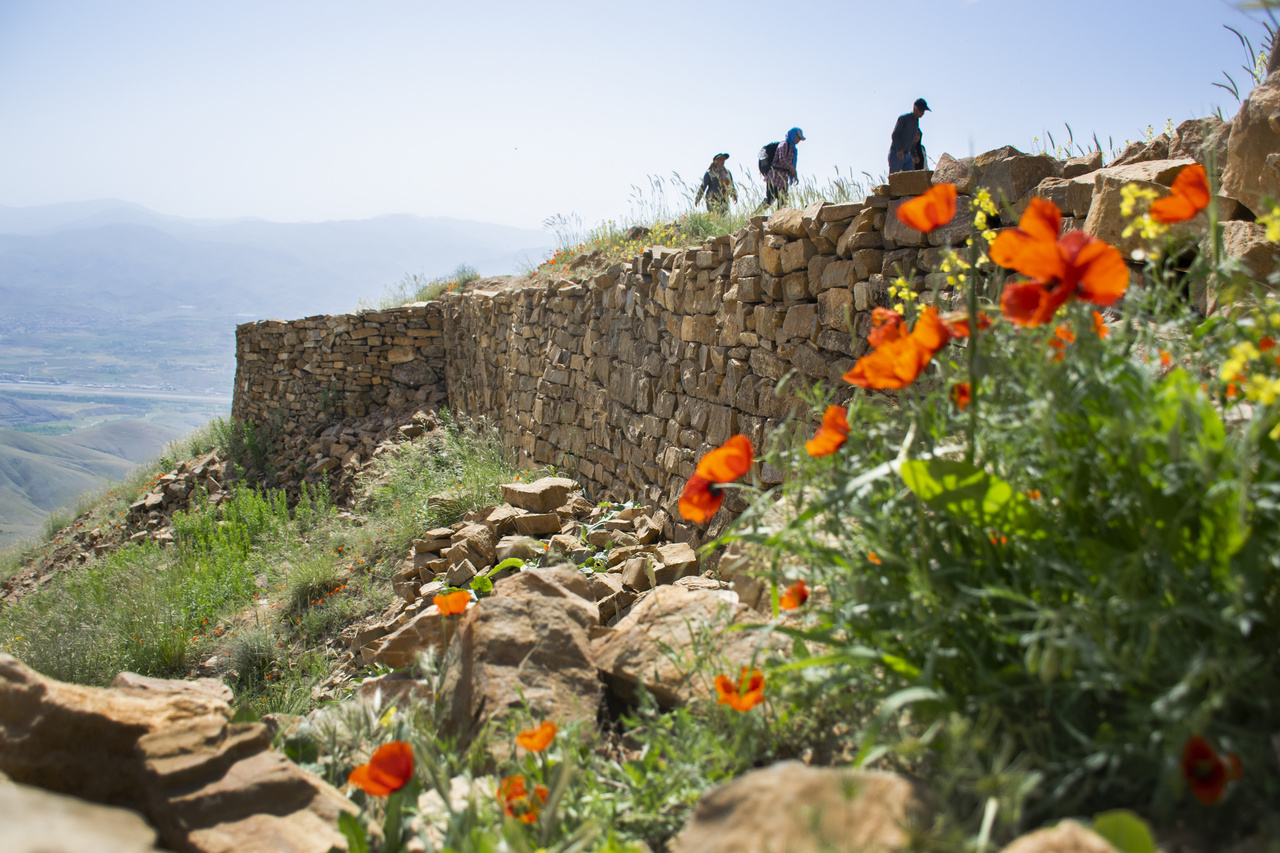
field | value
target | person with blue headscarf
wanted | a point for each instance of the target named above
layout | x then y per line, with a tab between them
782	172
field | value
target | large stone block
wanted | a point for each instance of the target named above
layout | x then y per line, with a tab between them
898	231
909	183
834	307
1008	174
796	254
1253	153
787	221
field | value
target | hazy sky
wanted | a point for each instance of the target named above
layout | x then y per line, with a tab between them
512	112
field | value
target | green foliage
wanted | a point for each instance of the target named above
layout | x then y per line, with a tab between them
245	443
435	481
416	287
1080	567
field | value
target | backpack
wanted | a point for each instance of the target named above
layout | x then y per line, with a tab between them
765	157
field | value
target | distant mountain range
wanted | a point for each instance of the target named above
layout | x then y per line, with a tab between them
116	255
108	293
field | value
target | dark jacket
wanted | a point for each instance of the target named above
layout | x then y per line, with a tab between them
904	134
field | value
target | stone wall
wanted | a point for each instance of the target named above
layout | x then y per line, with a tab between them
623	376
323	368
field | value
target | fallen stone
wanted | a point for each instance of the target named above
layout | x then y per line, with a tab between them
800	809
544	495
528	644
636	651
1066	837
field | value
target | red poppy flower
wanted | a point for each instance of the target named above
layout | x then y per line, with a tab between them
957	323
452	603
961	394
538	739
1075	266
1061	337
930	210
389	769
897	362
517	801
794	596
1100	327
1189	196
702	495
1207	772
746	694
1166	358
1266	343
833	433
886	325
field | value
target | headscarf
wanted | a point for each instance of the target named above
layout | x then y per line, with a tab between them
793	135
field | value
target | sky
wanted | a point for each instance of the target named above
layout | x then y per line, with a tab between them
514	112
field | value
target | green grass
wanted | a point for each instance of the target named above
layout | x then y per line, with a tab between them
416	287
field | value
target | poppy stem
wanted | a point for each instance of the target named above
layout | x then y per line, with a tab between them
971	298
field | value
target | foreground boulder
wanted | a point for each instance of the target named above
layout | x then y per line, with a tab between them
526	646
36	821
803	809
1253	154
1066	837
167	750
638	649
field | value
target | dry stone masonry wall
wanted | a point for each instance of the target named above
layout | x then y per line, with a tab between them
622	377
322	368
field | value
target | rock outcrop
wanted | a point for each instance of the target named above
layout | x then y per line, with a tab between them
166	750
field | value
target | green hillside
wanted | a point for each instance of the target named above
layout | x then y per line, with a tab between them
39	474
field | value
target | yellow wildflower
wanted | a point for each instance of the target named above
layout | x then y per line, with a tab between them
1262	389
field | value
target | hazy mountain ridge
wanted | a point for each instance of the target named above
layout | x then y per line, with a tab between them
110	293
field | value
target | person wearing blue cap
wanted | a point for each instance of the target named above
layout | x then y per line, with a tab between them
906	135
782	173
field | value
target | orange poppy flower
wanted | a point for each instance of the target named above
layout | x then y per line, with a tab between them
746	694
516	800
389	769
1100	327
538	739
886	325
957	323
1166	358
794	596
874	557
1189	196
1061	337
897	362
452	603
930	210
702	495
1207	772
1266	343
1033	494
833	433
1074	266
961	394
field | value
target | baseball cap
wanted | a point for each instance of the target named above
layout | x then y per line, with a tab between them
921	105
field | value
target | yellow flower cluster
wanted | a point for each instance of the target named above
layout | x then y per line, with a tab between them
1271	221
1241	354
901	289
1144	225
983	206
954	266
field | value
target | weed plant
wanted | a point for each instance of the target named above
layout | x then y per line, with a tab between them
416	287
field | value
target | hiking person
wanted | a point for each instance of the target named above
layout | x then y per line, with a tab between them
917	153
717	185
782	169
905	137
